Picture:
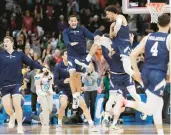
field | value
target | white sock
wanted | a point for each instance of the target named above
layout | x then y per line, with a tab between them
106	115
88	58
78	94
59	121
20	124
91	123
160	132
74	95
114	122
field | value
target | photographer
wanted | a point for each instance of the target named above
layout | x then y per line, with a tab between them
89	80
43	83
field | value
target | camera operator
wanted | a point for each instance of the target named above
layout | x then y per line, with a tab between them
89	80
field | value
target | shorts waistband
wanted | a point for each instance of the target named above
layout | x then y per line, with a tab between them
117	73
10	85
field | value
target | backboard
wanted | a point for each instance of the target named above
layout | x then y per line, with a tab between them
138	6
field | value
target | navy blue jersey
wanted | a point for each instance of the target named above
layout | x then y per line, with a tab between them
60	74
122	41
11	66
114	62
156	52
123	33
76	35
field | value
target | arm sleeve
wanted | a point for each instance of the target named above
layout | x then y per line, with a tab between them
30	62
88	34
57	79
66	37
118	25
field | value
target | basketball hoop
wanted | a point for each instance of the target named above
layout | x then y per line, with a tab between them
156	10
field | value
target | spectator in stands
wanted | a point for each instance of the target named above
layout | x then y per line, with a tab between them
61	24
89	80
28	22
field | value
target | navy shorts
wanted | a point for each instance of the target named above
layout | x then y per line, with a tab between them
11	90
73	66
67	94
123	47
154	80
120	82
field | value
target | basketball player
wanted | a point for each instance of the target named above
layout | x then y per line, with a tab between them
156	47
119	34
62	80
75	39
11	62
119	82
44	91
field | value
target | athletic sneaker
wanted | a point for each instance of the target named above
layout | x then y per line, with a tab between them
45	129
11	123
92	128
59	128
116	129
143	116
20	130
81	63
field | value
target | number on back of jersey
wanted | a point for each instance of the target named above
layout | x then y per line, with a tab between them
154	50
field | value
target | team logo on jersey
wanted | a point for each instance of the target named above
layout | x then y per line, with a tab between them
11	56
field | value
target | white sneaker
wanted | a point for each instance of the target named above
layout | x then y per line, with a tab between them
59	128
11	123
20	130
75	103
45	127
143	116
81	63
116	129
92	128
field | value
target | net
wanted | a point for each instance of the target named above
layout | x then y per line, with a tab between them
156	10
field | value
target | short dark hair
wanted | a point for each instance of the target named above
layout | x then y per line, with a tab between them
63	51
163	20
111	9
72	16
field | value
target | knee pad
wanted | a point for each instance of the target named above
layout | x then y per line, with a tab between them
126	62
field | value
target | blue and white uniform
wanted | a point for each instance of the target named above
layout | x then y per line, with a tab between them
156	62
122	41
119	79
60	74
77	51
10	71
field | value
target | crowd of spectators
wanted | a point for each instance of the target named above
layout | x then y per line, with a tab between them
36	26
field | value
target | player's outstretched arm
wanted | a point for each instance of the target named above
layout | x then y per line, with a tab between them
133	56
29	62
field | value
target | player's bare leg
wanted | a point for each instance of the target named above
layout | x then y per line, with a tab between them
9	109
19	112
149	108
78	83
87	115
73	86
61	112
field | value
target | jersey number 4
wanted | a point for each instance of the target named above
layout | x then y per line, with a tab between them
154	50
